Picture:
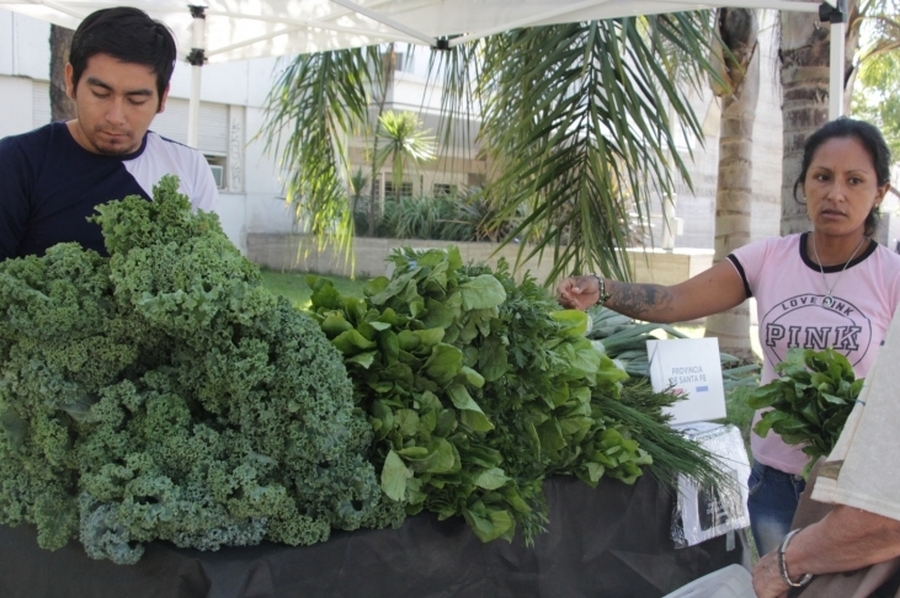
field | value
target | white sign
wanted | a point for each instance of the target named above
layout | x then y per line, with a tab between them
690	367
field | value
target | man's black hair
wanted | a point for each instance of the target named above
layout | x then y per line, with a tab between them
128	35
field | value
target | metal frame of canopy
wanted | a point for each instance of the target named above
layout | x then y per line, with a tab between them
223	30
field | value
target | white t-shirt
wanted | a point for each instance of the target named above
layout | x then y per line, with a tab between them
789	289
862	471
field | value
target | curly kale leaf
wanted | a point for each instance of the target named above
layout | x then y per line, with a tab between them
164	394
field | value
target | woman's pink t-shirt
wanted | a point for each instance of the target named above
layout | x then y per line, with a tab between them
789	289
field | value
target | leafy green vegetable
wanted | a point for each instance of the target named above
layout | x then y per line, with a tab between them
810	401
164	394
478	387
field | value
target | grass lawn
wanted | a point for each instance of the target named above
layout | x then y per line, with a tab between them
293	286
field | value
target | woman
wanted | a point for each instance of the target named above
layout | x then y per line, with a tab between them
831	287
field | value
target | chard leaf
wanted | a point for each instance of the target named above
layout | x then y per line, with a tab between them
407	423
439	314
471	415
352	342
573	323
444	363
482	292
334	324
364	360
472	376
491	479
394	476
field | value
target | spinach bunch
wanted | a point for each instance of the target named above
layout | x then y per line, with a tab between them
477	388
810	401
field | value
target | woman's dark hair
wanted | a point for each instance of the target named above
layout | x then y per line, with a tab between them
871	139
129	35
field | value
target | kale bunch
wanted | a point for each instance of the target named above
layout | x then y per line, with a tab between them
164	394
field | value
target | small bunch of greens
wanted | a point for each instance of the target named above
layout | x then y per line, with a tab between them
478	388
810	401
164	394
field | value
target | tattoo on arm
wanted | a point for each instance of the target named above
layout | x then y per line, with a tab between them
645	301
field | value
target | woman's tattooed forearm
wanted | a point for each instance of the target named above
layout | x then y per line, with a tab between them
644	301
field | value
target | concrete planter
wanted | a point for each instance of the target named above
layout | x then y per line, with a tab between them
286	252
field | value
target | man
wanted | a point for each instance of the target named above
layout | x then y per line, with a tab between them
52	178
861	478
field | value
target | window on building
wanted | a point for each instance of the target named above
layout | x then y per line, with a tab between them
217	165
439	189
406	190
403	62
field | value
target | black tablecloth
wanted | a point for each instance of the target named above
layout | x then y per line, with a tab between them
610	541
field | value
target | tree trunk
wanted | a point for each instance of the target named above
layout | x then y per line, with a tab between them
805	57
738	29
61	106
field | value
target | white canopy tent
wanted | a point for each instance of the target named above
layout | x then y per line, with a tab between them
224	30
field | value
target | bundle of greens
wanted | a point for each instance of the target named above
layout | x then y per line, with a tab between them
164	394
478	388
810	401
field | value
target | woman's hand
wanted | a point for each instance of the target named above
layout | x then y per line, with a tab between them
578	292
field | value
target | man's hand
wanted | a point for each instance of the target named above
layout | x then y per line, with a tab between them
767	581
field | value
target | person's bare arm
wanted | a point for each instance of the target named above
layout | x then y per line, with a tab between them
712	291
844	540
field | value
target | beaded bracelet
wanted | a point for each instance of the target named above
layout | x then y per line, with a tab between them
601	287
782	563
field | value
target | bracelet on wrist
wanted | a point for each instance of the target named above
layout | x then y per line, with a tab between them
603	295
782	563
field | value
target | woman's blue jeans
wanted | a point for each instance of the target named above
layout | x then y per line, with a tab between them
772	501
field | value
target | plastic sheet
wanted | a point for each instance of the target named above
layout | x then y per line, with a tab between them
702	513
611	541
733	581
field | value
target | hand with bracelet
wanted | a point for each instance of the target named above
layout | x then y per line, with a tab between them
715	290
846	539
582	292
772	576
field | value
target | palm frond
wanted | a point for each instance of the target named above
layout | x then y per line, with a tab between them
316	100
584	123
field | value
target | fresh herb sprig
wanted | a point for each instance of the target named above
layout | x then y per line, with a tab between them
810	400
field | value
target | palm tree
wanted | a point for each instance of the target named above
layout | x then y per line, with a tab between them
402	143
317	100
738	88
878	102
804	80
580	122
61	106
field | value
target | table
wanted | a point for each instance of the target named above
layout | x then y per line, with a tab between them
610	541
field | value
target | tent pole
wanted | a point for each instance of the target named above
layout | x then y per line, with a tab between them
196	59
837	16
